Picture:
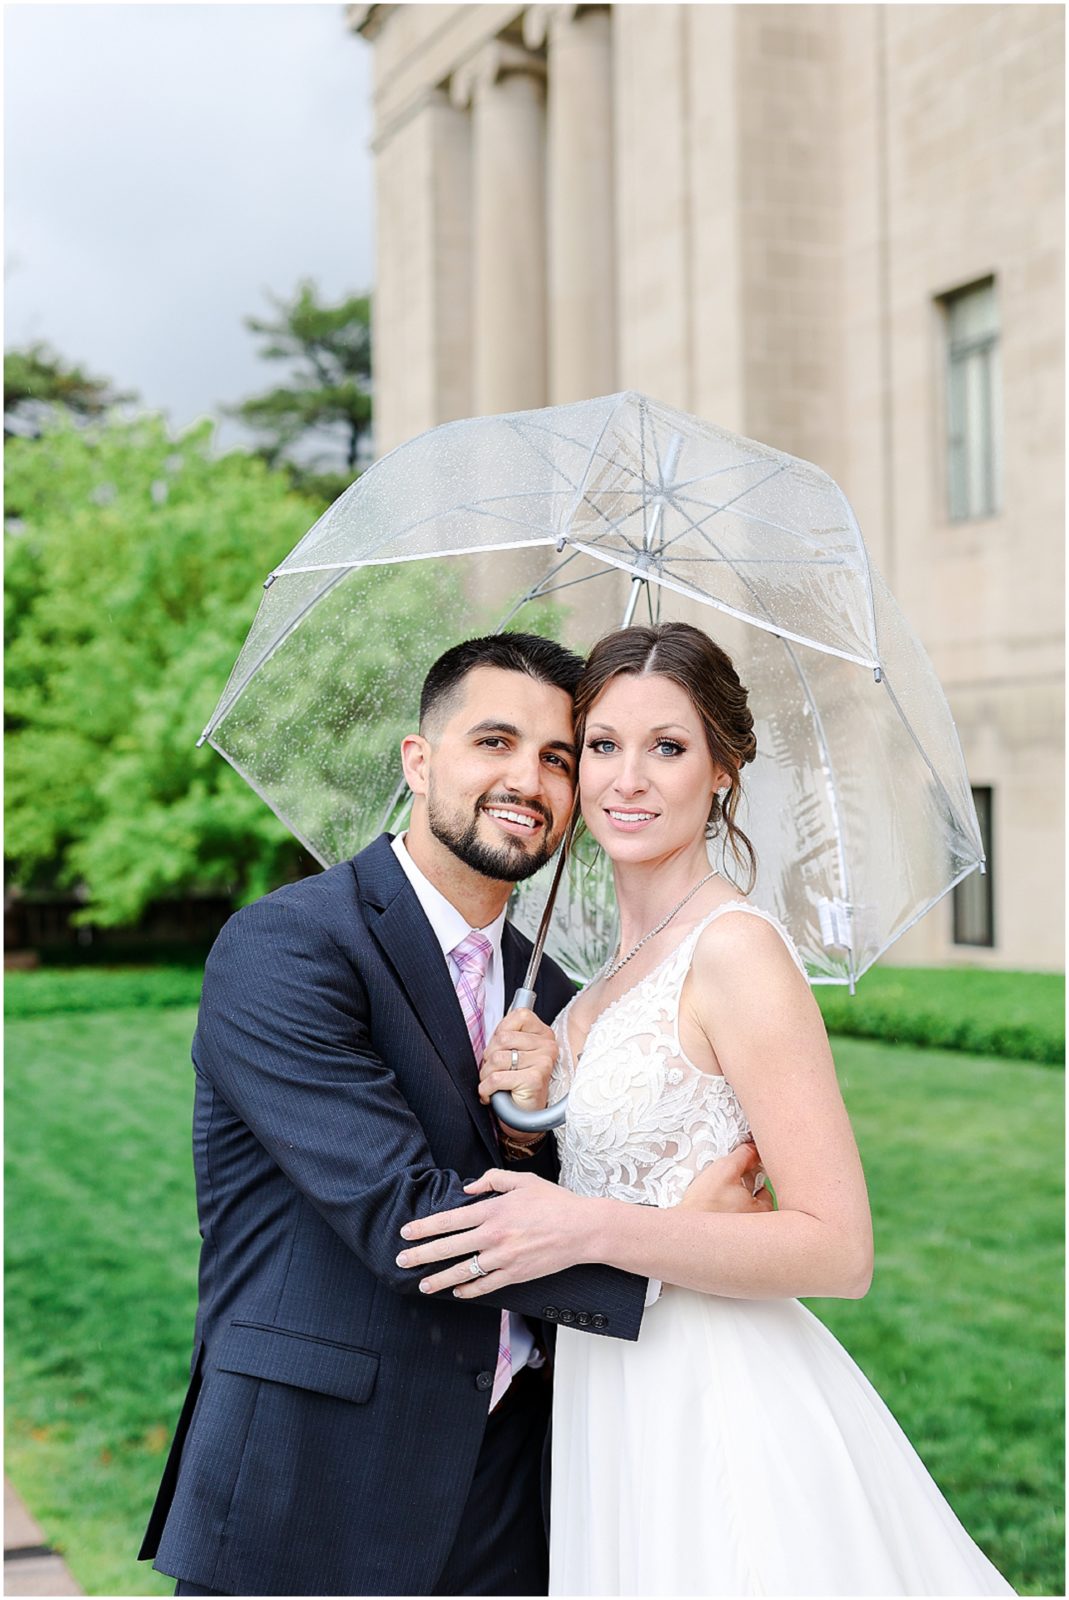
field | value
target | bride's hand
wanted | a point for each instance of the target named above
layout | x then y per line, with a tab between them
735	1182
528	1228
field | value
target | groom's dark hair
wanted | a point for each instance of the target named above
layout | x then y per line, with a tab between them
542	659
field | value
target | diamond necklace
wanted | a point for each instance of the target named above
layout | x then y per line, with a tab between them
646	937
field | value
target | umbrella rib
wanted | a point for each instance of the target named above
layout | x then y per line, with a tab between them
374	559
657	457
717	472
581	495
270	804
907	724
514	422
538	542
871	589
517	494
833	792
400	790
642	408
923	912
577	488
588	577
475	506
690	591
818	724
751	516
697	527
539	592
226	699
762	561
703	533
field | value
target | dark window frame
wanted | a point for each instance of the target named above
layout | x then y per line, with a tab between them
979	888
966	436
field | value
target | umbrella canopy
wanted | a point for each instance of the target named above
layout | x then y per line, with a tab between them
567	521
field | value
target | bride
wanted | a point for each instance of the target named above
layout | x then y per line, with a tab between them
735	1448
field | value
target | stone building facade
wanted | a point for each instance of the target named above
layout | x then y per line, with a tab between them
835	228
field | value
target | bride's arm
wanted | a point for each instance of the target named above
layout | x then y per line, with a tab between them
758	1015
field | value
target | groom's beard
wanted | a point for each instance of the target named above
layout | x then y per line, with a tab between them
505	860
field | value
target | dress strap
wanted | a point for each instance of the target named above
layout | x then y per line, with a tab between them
752	911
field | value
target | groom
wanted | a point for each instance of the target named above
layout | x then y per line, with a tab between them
343	1434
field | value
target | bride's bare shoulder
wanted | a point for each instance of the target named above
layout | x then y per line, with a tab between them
741	943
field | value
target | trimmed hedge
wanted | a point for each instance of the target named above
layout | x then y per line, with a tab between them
53	990
1019	1015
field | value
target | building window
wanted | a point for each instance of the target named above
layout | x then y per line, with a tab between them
974	402
974	897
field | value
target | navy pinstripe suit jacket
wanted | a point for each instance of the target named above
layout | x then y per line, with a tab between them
331	1429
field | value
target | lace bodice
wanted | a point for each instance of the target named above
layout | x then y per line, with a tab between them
643	1120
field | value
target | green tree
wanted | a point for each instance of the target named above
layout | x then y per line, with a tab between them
133	575
315	423
37	381
131	578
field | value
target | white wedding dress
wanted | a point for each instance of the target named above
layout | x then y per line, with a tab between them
735	1449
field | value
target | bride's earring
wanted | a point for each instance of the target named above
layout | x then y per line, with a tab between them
716	811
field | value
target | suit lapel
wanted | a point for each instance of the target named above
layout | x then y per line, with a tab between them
403	934
513	961
516	951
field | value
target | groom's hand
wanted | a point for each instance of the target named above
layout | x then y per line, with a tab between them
519	1058
736	1182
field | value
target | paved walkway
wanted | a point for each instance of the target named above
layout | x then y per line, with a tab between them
30	1567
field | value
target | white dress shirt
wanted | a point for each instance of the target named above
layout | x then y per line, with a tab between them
450	927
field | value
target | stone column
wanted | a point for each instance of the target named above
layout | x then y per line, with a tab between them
581	224
421	305
505	88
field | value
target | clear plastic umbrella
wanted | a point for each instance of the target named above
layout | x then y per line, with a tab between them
569	521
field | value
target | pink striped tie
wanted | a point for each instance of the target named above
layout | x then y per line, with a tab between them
471	958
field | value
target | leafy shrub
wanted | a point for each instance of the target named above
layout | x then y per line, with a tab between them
52	991
1020	1015
132	565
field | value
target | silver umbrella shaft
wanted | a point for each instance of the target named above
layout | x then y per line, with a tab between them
503	1104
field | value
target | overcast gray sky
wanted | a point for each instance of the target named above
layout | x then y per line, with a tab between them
165	164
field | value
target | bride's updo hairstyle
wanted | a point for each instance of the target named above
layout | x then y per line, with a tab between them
706	675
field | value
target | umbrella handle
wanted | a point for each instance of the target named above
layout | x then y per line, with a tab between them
504	1106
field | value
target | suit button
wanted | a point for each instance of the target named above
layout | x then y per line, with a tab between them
583	1319
485	1380
550	1313
567	1316
598	1320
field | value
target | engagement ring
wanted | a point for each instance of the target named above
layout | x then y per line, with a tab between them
474	1267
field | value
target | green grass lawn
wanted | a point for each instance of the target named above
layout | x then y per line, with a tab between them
963	1329
101	1240
961	1332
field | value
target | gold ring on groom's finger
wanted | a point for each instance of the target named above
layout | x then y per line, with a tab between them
474	1268
514	1061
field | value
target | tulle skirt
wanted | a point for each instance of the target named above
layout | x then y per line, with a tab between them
736	1449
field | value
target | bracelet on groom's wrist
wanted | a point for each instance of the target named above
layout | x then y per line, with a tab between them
519	1149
